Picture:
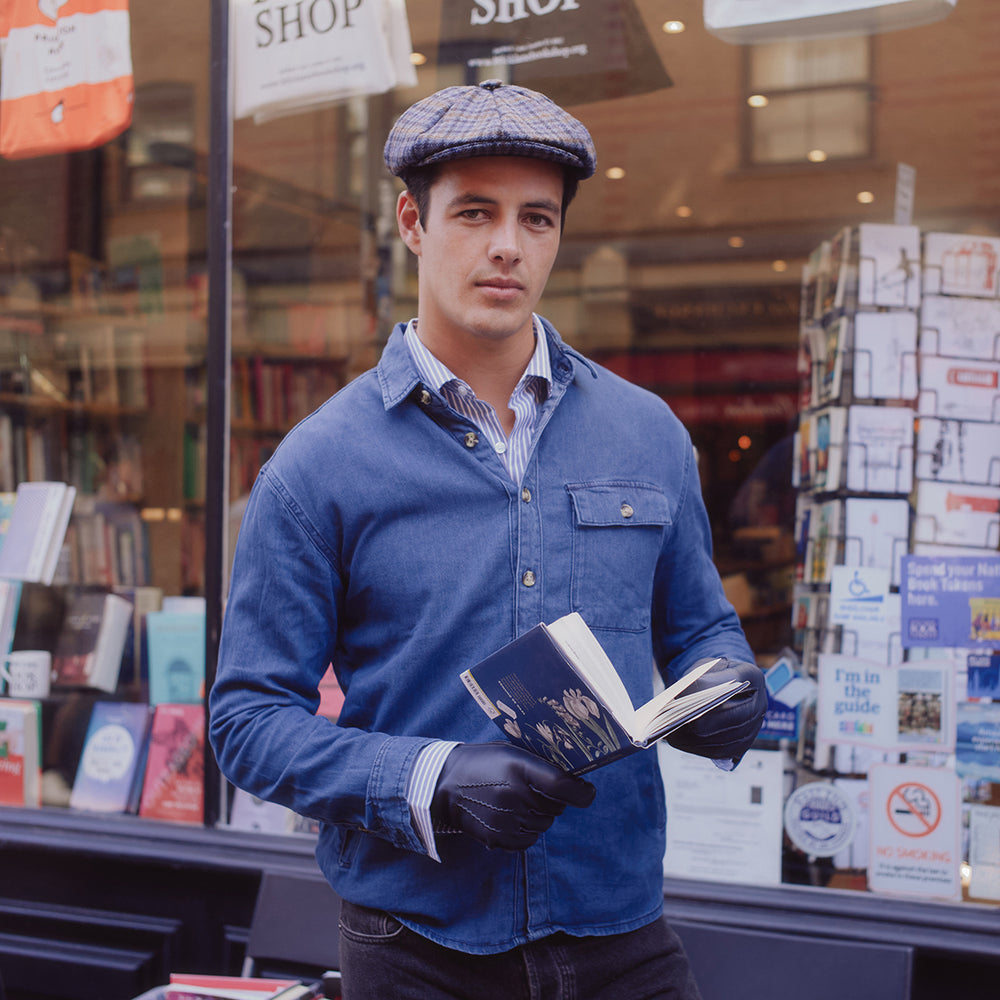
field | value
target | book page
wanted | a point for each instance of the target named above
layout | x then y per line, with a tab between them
671	708
573	635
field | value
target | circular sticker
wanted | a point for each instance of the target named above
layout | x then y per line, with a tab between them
819	819
108	754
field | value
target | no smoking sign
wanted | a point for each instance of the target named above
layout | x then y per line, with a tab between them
914	810
915	847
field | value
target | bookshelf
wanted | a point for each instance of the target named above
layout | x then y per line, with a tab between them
272	390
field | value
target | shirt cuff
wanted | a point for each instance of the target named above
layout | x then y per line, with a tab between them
420	790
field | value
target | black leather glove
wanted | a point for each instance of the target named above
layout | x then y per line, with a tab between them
503	795
729	729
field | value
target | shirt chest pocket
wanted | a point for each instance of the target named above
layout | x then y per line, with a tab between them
618	529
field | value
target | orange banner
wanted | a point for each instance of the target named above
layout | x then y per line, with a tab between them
66	80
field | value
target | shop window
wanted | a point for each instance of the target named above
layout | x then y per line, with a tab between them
808	101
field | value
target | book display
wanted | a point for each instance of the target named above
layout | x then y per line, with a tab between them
103	455
897	605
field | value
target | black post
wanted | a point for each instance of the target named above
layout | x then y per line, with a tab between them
217	361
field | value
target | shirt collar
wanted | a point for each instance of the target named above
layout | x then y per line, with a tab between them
437	375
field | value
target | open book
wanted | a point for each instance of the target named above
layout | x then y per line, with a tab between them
554	692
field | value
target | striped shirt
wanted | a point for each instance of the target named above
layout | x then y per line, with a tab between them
530	392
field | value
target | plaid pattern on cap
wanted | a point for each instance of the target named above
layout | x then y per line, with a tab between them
491	119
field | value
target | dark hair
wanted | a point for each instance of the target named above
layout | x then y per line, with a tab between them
419	180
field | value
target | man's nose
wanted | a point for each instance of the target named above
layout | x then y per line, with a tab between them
506	242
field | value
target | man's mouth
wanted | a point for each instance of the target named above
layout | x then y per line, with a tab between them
503	284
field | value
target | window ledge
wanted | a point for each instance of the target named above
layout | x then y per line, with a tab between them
143	840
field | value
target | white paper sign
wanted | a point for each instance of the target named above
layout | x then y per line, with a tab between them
723	825
858	596
915	845
748	21
290	57
903	706
906	182
984	852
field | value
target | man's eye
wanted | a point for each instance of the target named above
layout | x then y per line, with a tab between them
539	220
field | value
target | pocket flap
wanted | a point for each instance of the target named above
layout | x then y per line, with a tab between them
619	503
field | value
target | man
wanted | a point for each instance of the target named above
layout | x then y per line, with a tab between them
482	478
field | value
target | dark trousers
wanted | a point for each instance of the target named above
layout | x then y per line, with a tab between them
380	958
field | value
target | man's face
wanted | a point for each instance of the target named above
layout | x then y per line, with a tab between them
491	237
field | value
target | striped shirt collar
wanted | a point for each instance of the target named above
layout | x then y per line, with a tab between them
438	375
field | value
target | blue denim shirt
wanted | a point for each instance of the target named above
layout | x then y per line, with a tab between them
385	536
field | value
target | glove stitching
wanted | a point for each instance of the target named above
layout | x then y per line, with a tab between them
485	805
479	819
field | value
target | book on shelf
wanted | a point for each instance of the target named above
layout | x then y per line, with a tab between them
7	500
8	477
135	662
248	812
91	643
173	787
107	543
36	530
109	775
10	600
176	651
555	692
20	753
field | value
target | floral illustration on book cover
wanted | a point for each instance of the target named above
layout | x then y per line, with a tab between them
572	731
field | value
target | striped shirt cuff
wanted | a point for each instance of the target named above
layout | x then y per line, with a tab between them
420	790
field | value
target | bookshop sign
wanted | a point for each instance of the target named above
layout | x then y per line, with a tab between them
951	601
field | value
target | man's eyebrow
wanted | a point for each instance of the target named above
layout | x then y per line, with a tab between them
471	198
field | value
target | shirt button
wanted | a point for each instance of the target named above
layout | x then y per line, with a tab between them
425	396
500	447
526	495
627	510
528	579
471	439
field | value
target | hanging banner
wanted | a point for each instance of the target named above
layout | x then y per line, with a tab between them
66	80
746	22
289	58
573	51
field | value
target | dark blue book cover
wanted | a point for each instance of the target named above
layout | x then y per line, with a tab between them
112	760
535	692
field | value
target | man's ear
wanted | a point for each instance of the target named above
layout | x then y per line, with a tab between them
408	220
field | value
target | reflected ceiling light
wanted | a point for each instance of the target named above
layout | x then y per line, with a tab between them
736	242
757	101
674	27
418	58
744	441
684	211
866	197
816	155
779	266
614	173
735	455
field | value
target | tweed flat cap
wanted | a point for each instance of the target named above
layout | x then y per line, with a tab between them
491	119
